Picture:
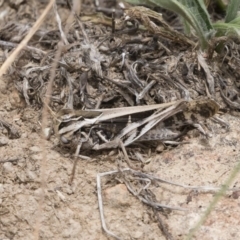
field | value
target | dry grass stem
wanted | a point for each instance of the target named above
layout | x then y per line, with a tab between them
24	42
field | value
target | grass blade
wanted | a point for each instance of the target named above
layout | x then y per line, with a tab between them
228	29
194	12
232	10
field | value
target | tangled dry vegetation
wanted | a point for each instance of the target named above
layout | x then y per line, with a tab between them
88	58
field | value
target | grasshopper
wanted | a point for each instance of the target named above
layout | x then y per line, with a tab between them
105	128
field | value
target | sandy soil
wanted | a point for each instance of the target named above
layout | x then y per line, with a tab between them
72	211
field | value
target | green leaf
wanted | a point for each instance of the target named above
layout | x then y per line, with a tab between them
228	29
199	11
186	26
194	12
236	20
232	10
141	2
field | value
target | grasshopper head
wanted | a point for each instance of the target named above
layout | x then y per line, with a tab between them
203	108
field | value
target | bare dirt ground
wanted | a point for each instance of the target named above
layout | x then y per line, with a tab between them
72	211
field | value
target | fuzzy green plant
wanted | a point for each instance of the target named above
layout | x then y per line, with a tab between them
196	18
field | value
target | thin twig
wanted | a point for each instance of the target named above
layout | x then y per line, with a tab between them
215	200
43	142
9	160
28	48
24	42
79	23
75	163
63	35
162	226
100	203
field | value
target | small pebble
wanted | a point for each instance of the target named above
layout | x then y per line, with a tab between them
37	157
35	149
3	141
47	133
117	196
8	167
32	175
160	147
137	235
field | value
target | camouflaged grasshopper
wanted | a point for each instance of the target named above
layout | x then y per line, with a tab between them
105	128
